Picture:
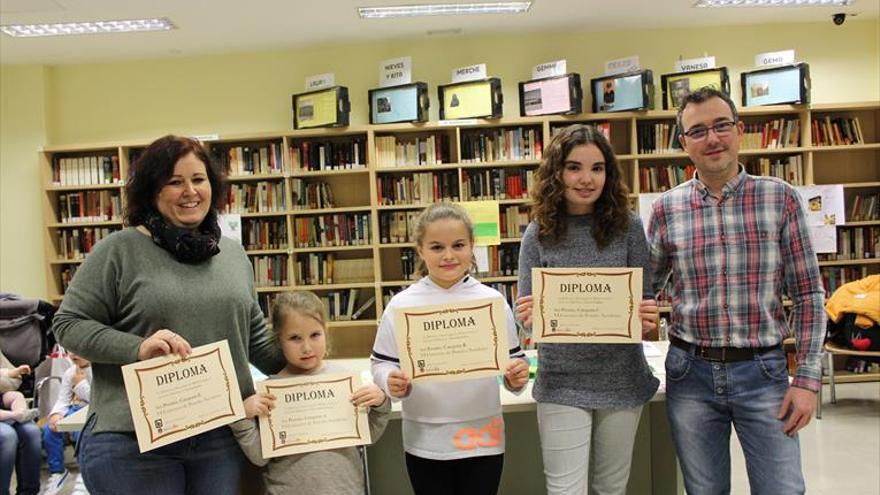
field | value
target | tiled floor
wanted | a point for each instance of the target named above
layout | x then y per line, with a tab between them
841	451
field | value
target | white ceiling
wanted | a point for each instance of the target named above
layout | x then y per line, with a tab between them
225	26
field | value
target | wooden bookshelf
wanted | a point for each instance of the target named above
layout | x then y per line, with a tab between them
355	187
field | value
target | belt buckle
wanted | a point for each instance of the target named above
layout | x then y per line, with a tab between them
708	357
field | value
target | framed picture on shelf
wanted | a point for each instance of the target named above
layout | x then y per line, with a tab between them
322	108
471	100
551	96
623	92
787	84
679	84
403	103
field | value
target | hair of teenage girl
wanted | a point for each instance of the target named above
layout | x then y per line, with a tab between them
611	211
302	302
433	213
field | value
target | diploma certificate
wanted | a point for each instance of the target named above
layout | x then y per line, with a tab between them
586	305
312	413
452	341
173	398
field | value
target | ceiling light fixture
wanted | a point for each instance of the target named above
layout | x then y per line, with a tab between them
444	9
773	3
96	27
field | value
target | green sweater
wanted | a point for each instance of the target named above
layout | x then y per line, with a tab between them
128	288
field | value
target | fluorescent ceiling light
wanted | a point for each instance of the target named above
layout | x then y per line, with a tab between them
444	9
773	3
96	27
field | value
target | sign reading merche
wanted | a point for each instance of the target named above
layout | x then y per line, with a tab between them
320	81
622	65
457	341
586	305
774	58
690	64
312	413
172	398
549	69
470	73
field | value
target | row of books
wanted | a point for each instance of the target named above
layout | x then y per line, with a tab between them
513	221
492	145
865	207
857	243
85	170
789	168
270	271
497	183
257	197
74	244
777	133
408	258
603	127
309	156
264	233
397	151
90	206
340	229
835	276
397	226
837	131
503	261
417	188
659	178
339	305
326	268
660	137
253	159
311	195
510	291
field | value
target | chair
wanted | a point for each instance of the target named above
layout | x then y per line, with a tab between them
830	350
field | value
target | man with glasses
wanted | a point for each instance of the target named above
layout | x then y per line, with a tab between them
735	243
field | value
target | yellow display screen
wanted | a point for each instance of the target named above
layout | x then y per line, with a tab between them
680	86
464	101
316	109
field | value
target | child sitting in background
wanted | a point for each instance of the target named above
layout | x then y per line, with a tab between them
300	330
74	395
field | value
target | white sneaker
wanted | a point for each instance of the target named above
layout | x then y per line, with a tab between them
55	483
79	486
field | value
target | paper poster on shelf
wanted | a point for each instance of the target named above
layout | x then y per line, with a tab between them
484	215
824	209
395	71
646	200
481	254
230	225
319	81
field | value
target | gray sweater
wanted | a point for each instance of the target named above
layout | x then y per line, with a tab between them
337	471
589	376
128	288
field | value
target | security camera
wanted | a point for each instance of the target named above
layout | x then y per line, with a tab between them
838	18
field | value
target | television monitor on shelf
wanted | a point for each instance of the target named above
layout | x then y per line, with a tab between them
787	84
321	108
471	99
623	92
551	95
679	84
403	103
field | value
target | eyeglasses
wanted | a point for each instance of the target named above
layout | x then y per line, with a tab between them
720	128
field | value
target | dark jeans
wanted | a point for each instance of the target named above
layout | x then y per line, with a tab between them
20	451
208	464
470	476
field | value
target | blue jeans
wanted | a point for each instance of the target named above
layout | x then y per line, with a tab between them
705	397
208	464
20	450
53	441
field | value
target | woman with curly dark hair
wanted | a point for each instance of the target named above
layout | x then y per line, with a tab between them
589	397
166	283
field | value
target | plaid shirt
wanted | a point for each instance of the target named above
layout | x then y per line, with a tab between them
731	260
